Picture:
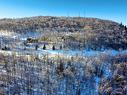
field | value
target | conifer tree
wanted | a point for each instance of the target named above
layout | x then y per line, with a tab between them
44	47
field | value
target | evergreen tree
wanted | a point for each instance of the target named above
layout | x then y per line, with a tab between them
44	47
121	25
53	48
36	47
125	27
60	47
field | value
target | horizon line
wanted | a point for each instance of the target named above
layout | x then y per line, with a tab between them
71	16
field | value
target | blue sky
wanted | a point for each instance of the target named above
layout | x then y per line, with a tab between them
105	9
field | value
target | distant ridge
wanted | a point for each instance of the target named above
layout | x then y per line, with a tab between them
38	22
100	33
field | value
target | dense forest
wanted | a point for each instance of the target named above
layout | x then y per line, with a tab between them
74	32
47	55
97	75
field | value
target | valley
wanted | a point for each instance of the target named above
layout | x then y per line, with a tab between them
62	56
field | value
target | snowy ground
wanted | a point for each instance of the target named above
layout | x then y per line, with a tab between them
30	50
85	52
19	47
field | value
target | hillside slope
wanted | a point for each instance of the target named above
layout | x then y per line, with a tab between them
90	33
72	23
